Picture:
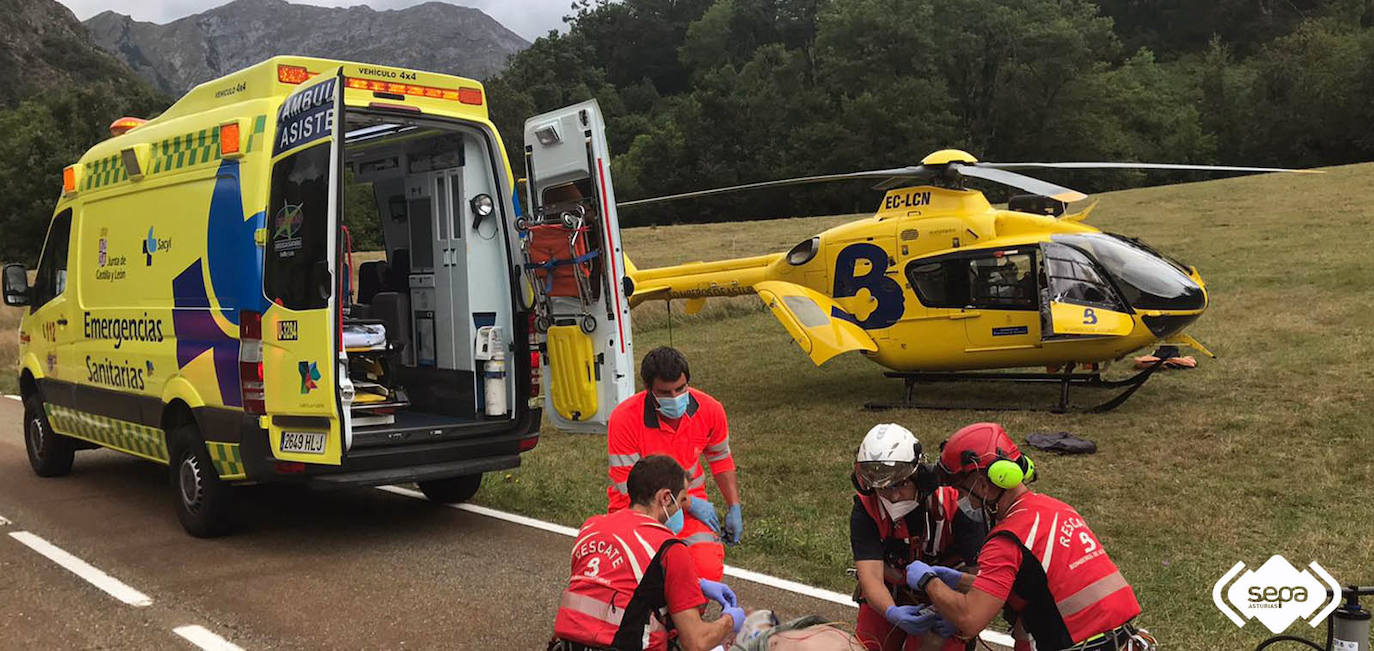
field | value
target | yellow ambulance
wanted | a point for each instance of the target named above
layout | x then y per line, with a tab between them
198	301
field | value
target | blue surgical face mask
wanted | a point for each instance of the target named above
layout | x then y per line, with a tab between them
673	407
675	522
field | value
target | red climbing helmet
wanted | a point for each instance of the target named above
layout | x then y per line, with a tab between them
974	448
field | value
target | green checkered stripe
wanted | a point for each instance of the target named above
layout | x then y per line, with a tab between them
172	154
106	171
139	440
227	460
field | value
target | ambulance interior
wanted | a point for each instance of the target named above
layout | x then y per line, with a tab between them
433	306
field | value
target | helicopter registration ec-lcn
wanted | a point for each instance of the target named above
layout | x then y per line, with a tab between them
939	282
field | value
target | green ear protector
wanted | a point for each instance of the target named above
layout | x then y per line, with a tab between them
1005	473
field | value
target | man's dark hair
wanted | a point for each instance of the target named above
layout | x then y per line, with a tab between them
663	363
653	474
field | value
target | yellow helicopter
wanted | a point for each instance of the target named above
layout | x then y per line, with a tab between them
938	282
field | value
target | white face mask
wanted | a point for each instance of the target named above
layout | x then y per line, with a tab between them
898	510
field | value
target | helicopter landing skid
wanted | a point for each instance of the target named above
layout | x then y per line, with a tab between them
1064	380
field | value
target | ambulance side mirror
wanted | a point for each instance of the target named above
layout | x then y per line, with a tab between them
16	285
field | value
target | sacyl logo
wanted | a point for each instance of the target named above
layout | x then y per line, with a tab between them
1277	594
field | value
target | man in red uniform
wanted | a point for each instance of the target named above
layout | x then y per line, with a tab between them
900	515
669	417
633	582
1040	559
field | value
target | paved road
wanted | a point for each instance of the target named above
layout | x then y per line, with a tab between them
351	569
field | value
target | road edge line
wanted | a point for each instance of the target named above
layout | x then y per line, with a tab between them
91	574
205	639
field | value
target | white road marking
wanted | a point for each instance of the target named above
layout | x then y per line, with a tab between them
5	522
991	637
114	587
205	639
747	575
14	397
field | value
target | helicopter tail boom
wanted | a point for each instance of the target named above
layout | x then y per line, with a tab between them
700	280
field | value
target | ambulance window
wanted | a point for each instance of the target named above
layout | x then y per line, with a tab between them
296	273
1073	278
51	278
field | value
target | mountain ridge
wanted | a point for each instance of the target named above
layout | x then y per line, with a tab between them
178	55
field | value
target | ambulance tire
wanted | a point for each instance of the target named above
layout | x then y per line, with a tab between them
50	453
204	503
453	490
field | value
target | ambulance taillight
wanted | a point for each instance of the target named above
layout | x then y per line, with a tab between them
534	364
250	363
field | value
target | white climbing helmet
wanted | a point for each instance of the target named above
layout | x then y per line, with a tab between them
888	454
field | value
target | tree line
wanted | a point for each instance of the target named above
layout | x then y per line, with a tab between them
704	93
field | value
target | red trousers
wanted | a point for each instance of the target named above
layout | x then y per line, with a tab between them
877	634
708	553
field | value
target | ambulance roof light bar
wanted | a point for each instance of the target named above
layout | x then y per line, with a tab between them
125	124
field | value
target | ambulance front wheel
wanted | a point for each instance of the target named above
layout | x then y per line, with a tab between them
452	490
203	501
50	453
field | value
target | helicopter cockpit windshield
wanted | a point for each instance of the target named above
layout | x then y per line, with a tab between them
1146	279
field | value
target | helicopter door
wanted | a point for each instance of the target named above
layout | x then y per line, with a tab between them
807	316
573	258
1001	313
1076	299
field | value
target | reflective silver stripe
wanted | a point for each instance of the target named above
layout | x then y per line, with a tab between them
624	459
1093	593
621	488
591	607
699	480
703	537
719	451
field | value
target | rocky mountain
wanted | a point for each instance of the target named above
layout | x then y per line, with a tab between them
435	36
43	46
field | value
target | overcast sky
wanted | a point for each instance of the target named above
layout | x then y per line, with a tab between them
528	18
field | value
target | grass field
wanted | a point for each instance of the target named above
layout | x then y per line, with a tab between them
1263	451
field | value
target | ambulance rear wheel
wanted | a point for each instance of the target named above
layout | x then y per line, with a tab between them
452	490
204	502
50	453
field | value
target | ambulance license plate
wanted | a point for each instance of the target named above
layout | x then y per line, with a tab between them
304	442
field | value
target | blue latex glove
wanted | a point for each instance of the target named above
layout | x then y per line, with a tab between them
706	512
949	575
943	627
915	571
734	525
912	619
721	593
736	615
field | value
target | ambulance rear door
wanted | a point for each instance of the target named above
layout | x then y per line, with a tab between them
571	236
300	329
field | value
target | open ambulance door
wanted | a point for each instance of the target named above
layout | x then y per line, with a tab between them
810	317
303	385
574	260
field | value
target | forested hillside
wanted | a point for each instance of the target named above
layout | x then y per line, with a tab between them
703	93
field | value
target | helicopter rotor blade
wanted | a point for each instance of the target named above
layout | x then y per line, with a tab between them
914	171
1139	166
1022	182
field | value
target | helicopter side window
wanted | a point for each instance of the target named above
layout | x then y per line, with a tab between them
1002	280
1073	278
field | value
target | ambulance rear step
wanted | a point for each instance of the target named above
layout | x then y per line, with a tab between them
415	473
418	427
